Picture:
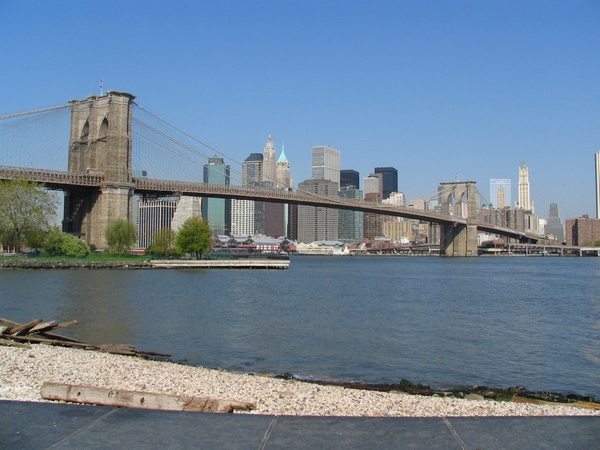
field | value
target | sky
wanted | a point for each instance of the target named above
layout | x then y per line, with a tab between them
442	90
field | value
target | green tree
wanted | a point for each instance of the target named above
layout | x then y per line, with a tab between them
26	212
59	243
120	237
163	243
194	237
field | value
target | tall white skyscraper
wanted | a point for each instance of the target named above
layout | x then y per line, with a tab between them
598	185
524	190
326	164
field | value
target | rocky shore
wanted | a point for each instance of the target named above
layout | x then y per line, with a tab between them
33	264
24	370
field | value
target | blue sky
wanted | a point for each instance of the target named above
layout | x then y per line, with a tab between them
437	89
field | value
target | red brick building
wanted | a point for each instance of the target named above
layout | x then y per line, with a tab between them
582	231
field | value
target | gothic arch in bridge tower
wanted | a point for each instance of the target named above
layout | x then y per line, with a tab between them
458	239
100	144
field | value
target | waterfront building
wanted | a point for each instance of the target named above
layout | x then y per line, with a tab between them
242	217
500	192
597	159
524	188
582	231
554	225
349	179
153	215
350	222
217	211
326	164
318	223
389	180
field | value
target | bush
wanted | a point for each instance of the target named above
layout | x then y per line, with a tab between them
59	243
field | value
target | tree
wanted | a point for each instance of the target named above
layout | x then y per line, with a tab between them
59	243
120	237
195	237
26	212
163	243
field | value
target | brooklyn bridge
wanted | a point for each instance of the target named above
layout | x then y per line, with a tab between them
100	179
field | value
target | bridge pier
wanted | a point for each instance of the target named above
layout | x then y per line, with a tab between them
100	144
458	240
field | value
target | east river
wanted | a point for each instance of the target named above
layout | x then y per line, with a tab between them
445	322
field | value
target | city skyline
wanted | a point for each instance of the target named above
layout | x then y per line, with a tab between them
448	87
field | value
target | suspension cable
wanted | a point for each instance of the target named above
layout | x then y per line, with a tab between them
35	111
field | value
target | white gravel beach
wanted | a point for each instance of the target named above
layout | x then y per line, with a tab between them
22	372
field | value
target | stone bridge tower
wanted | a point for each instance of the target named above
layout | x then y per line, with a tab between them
100	144
458	199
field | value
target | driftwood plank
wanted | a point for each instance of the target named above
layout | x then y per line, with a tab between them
137	399
42	326
18	329
51	326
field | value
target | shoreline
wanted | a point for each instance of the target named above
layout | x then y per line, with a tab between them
24	370
150	264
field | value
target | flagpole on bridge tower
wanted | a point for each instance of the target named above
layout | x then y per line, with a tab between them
101	85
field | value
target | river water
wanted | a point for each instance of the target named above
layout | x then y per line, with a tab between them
446	322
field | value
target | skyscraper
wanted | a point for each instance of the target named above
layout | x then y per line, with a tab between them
598	185
373	189
283	171
524	190
326	164
499	186
390	180
350	228
553	223
269	174
349	179
248	215
217	211
317	223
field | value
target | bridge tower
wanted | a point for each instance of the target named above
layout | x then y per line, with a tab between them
100	144
458	199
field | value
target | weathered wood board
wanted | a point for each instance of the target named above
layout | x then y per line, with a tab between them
137	399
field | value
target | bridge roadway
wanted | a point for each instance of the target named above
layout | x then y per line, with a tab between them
62	180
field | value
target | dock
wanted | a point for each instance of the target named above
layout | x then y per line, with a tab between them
222	264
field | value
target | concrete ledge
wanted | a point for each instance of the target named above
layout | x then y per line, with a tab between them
222	264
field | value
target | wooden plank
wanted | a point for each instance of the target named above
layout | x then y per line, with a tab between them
55	326
137	399
42	326
59	337
20	329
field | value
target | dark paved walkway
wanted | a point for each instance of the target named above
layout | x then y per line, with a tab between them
28	425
